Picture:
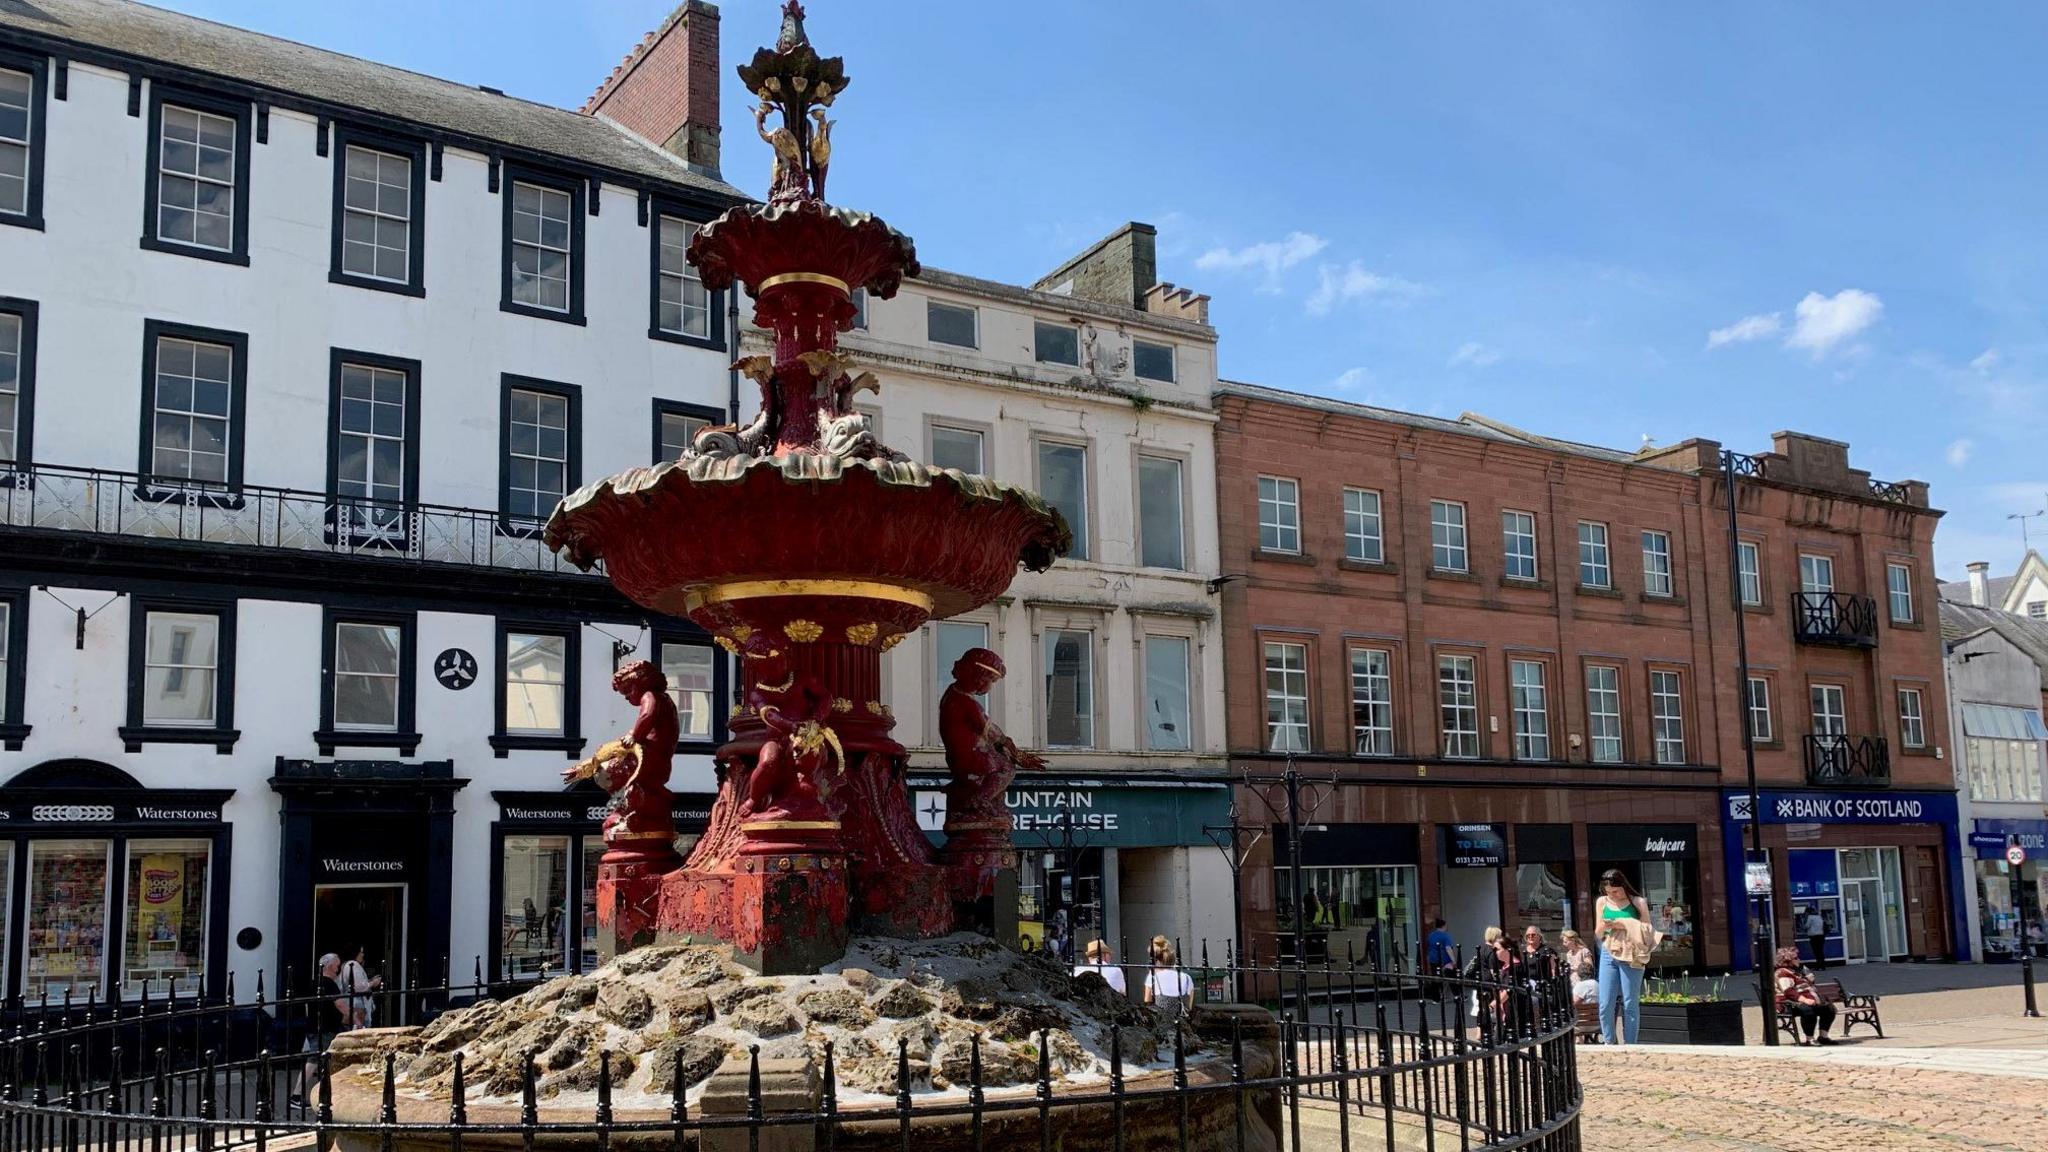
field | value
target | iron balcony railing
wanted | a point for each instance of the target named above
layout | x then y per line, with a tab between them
1848	761
129	504
1838	618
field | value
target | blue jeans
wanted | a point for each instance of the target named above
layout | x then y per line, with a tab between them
1618	979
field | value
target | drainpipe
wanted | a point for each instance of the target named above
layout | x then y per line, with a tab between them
732	374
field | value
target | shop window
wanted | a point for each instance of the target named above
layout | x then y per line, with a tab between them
1543	898
1603	713
163	948
533	907
1531	702
1167	723
1364	912
1457	683
1069	689
65	949
181	675
1667	717
951	639
593	855
691	671
1063	482
1286	697
1372	702
1160	536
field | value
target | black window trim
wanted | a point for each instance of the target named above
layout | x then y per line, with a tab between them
14	726
571	740
410	481
239	112
576	189
154	331
223	734
520	526
406	738
25	392
721	683
415	150
38	68
670	210
665	407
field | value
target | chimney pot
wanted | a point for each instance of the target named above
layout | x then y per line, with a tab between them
1979	591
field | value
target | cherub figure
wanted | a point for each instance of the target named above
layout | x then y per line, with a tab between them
635	768
800	759
982	759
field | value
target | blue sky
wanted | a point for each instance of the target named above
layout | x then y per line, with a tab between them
1598	221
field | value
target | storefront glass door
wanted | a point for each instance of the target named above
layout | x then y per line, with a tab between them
1873	913
1367	913
371	917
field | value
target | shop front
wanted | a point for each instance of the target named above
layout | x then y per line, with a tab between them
1544	877
1882	870
108	888
1360	887
1120	859
2000	886
545	848
1470	858
1662	861
364	866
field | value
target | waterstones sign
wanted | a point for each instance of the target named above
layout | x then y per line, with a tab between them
97	811
1846	808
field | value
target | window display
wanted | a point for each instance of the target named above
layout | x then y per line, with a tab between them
534	906
1367	913
67	919
1543	897
164	948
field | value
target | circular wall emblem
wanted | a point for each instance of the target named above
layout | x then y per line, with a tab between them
455	669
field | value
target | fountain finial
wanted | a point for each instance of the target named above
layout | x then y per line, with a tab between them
793	81
792	27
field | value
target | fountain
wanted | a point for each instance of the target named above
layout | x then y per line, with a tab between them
807	548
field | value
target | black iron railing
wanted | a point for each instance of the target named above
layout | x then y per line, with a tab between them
1848	761
1383	1060
1891	493
130	504
1838	618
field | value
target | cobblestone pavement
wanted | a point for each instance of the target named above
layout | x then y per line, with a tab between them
1659	1099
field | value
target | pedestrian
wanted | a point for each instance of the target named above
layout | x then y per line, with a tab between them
1102	962
1583	966
1626	941
356	980
329	1016
1167	988
1439	957
1799	998
1815	930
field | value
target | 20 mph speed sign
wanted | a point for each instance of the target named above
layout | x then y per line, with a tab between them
2015	855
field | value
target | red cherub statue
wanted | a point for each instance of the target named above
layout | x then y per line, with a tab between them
635	768
799	761
981	758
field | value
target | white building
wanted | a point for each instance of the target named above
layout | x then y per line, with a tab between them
294	351
2024	593
1091	388
1997	668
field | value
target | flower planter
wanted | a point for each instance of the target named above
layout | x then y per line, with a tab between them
1699	1022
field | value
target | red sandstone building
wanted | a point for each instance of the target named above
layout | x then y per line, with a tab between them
1516	659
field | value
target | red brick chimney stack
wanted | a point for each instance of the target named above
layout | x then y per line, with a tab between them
666	89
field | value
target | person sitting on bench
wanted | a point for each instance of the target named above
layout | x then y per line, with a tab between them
1798	998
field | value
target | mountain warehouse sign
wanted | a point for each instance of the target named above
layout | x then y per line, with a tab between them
1101	814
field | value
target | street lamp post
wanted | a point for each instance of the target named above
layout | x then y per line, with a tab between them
2016	858
1766	985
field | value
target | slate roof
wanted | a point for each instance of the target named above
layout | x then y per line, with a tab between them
220	50
2030	636
1467	424
1958	591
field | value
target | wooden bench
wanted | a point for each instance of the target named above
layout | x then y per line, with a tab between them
1585	1022
1849	1010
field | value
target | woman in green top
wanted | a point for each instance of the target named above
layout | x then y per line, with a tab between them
1619	900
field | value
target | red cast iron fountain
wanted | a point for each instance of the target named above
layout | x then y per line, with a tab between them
807	547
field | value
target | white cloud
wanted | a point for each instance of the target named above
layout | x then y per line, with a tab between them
1986	360
1351	380
1822	322
1473	354
1269	258
1354	281
1746	329
1959	451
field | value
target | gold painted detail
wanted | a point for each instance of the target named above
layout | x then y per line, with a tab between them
892	640
841	704
789	825
875	708
803	278
736	711
741	633
757	589
862	633
726	643
803	631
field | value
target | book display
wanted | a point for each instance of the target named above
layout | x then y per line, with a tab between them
165	946
67	919
534	906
